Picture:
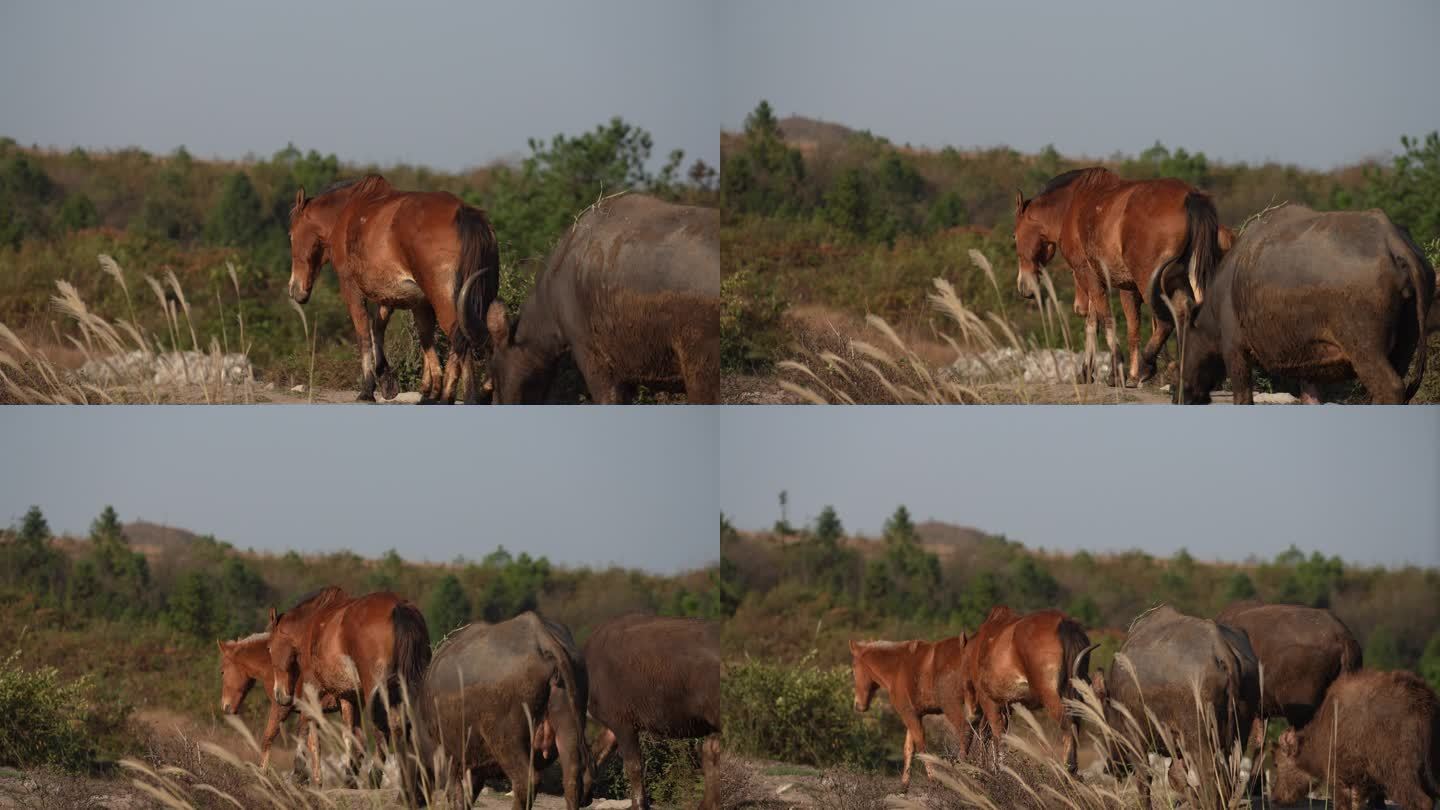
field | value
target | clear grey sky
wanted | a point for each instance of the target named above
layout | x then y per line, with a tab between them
1359	482
1313	82
443	84
583	486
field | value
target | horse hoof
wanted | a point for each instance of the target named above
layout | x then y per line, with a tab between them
365	396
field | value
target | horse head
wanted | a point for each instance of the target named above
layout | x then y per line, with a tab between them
284	662
235	681
865	683
1034	246
308	250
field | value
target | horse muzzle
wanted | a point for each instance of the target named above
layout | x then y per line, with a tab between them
1028	286
299	294
282	697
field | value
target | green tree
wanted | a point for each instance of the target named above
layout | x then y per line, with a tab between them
1312	580
236	220
1084	610
25	192
77	212
533	206
387	574
905	580
1408	190
764	177
446	607
514	586
847	204
1382	649
1430	662
192	608
30	562
1238	587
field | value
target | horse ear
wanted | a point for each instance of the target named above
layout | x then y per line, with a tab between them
497	320
221	645
271	626
1020	203
300	198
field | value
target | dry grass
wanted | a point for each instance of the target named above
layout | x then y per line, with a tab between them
29	376
888	370
1032	776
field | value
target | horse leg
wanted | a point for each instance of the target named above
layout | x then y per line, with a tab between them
914	744
277	716
995	714
312	746
388	386
1117	370
1159	333
1082	300
430	375
1055	707
1130	304
360	317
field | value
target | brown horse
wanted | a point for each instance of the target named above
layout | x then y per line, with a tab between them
1028	660
243	662
1117	234
360	651
401	250
921	677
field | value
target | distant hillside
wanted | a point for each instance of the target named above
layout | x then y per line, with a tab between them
798	592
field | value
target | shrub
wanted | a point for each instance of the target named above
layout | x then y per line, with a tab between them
673	775
751	312
801	714
47	721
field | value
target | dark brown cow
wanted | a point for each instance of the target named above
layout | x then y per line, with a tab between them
493	694
659	675
633	293
921	677
1179	677
1388	743
1029	660
1301	651
1316	297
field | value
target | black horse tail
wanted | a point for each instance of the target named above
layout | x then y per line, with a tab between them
477	275
412	645
1202	242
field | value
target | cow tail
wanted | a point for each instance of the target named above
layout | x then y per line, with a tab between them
563	652
1423	301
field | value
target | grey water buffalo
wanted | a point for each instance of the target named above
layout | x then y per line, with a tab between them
1316	297
1377	734
1199	680
485	696
632	292
1301	651
659	675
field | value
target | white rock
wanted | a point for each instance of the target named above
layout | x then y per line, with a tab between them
299	389
404	398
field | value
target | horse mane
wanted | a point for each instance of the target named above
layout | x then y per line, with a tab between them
1068	178
363	185
263	635
320	597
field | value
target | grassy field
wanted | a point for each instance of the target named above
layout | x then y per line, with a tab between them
802	593
127	679
837	243
201	259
